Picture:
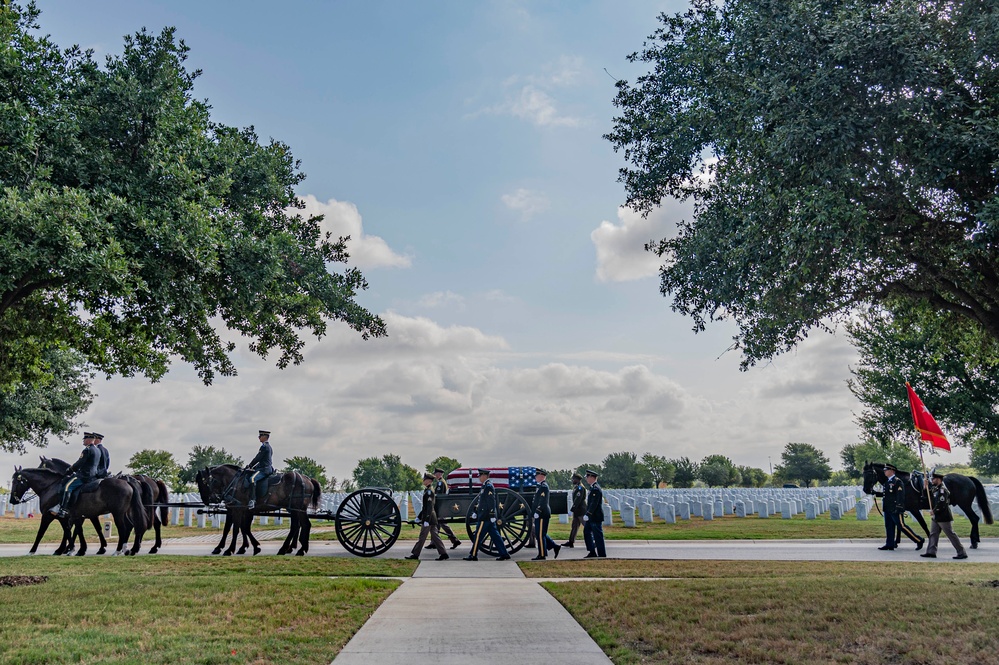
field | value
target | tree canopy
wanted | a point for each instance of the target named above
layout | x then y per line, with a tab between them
312	469
448	464
837	152
686	472
804	462
623	469
718	471
855	455
134	227
387	471
158	464
201	457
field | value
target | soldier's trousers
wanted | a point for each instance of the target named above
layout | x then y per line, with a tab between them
577	521
893	527
435	540
593	536
442	526
490	528
948	528
545	543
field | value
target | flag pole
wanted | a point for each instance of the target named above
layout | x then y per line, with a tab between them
926	476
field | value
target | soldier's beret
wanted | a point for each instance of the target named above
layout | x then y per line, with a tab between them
263	432
438	470
591	472
99	437
428	476
576	476
540	472
483	472
891	466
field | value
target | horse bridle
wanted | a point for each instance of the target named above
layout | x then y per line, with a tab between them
14	500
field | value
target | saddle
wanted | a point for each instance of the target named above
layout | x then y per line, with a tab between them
90	486
916	479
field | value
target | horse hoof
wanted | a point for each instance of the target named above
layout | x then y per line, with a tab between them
81	553
256	551
300	553
241	551
31	553
217	550
974	546
102	550
153	550
227	553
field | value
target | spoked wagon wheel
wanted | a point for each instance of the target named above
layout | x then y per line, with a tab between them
368	522
512	519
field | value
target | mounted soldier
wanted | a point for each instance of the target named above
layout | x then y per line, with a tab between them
262	466
103	467
81	472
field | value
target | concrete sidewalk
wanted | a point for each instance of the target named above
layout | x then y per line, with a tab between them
460	612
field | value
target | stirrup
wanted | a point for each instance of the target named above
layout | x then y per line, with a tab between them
251	504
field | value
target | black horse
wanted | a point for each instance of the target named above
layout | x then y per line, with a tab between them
964	490
211	487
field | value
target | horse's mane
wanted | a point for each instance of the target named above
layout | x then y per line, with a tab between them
46	472
231	467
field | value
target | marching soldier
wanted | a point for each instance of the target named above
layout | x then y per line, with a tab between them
486	519
103	468
893	504
262	465
593	519
578	509
942	519
441	489
83	471
428	523
542	516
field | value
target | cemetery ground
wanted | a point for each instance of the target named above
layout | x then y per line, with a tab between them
166	609
783	612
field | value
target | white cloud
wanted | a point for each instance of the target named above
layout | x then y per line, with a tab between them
441	299
526	202
530	97
341	218
621	254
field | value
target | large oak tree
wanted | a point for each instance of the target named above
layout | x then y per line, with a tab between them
838	153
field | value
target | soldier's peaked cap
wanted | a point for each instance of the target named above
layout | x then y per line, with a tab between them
438	470
936	474
591	472
88	435
484	472
263	432
428	476
99	437
540	472
576	476
891	466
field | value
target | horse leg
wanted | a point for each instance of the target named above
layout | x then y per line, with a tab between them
78	532
289	540
122	526
254	542
100	535
155	521
66	536
237	526
225	534
973	518
918	514
43	526
306	530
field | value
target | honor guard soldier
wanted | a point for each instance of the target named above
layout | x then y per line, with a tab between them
542	516
593	518
83	471
441	489
428	522
578	509
893	504
486	520
262	466
103	468
942	519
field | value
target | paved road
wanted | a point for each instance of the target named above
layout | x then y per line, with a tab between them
764	550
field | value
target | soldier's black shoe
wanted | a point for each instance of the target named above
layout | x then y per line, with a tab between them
443	557
927	555
413	557
885	547
471	558
919	545
539	558
455	544
961	556
558	548
569	545
591	555
505	557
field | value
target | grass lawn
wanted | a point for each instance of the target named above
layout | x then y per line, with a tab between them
164	609
784	612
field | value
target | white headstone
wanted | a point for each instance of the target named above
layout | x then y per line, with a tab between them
708	510
740	509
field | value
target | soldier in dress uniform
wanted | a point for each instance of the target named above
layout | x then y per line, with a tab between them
542	516
441	489
103	467
892	504
486	519
578	509
262	465
83	471
942	519
593	519
428	522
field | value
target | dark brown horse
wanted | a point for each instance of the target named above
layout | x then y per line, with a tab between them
47	517
292	492
964	491
112	495
212	487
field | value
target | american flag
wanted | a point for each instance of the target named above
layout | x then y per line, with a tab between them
513	477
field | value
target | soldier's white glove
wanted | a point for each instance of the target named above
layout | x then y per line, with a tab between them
536	516
475	515
493	520
426	524
586	518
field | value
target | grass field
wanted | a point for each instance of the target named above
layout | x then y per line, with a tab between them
785	612
188	610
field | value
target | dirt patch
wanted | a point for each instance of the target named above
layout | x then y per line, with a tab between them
991	584
22	580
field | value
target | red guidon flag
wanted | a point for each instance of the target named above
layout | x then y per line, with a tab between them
925	425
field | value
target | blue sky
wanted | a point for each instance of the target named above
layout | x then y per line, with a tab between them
460	144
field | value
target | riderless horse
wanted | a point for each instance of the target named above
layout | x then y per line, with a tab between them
964	491
111	495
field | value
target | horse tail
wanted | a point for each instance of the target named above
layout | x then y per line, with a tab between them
147	497
136	513
983	500
317	493
164	498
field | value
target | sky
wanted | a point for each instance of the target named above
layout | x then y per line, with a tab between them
460	145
